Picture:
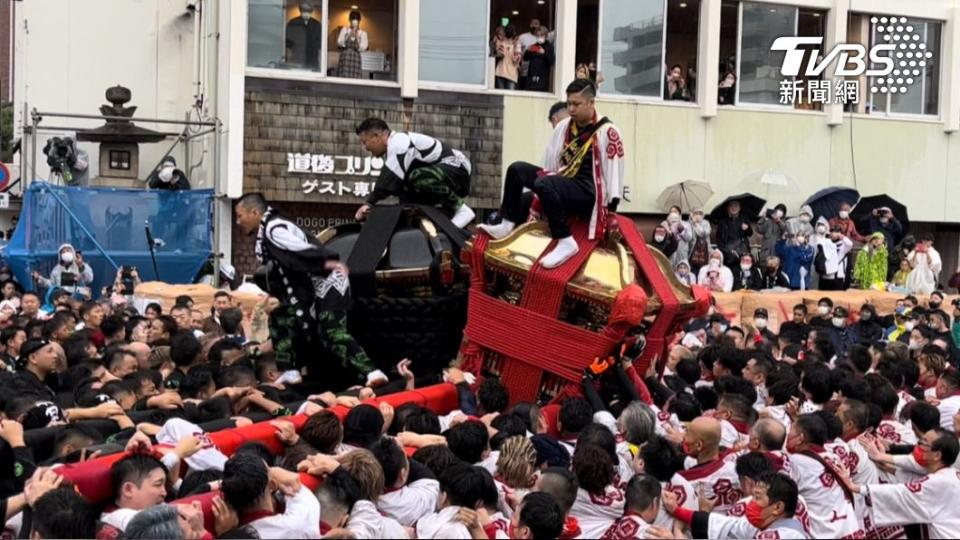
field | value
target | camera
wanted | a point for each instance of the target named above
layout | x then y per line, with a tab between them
126	280
61	154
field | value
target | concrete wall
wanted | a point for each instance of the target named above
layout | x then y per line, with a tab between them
6	51
914	161
72	51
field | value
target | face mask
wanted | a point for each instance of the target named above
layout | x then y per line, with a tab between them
166	174
673	216
659	237
918	455
760	323
714	263
754	514
723	328
823	310
778	214
697	218
844	214
909	326
746	267
838	322
914	345
821	229
683	272
865	316
804	219
354	24
541	41
67	257
305	16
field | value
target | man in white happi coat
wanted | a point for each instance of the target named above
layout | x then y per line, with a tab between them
929	501
582	177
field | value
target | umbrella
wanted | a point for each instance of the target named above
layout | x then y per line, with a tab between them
765	181
688	195
861	214
827	201
750	206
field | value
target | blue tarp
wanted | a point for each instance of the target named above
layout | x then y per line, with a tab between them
115	219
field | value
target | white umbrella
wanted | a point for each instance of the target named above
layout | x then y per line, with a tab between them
688	195
761	183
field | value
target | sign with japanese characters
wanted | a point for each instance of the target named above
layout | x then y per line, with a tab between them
335	165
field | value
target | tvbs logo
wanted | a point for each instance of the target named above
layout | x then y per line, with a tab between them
851	58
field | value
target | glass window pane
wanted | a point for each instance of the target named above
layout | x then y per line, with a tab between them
919	65
631	47
759	66
368	50
453	46
265	24
303	35
683	25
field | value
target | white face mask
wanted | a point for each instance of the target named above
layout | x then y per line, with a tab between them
697	218
821	229
354	24
914	345
760	323
778	214
838	322
673	217
305	16
714	263
909	325
823	310
746	267
166	174
844	214
659	237
67	257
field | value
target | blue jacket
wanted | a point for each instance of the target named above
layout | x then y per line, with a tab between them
794	258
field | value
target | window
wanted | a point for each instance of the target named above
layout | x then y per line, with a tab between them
749	69
453	47
914	85
528	29
296	35
646	47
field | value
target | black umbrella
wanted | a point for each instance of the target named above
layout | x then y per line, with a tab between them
827	201
750	207
864	209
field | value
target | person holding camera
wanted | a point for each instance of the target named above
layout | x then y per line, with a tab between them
926	264
797	256
70	273
883	221
126	281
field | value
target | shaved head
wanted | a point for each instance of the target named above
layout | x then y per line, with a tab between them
707	430
141	351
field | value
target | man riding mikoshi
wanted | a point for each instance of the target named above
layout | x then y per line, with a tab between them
582	176
418	169
314	284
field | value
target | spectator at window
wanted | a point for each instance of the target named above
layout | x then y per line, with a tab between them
926	264
733	234
727	89
508	60
589	71
772	226
675	87
304	37
539	58
883	221
664	241
847	226
700	248
352	41
797	256
773	275
499	34
70	273
748	277
870	269
528	39
681	232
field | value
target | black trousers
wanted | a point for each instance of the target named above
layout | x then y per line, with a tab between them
559	196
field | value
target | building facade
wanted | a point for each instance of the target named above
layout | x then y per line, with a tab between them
283	79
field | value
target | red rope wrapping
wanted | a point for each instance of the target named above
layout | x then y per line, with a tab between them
664	323
493	324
